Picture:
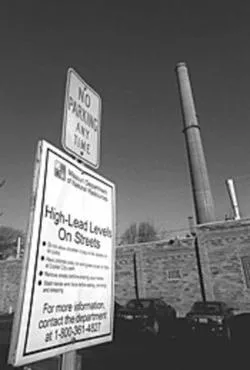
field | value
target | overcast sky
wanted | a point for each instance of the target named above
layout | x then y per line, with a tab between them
127	52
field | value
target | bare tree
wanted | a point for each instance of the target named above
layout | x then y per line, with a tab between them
130	235
144	232
8	241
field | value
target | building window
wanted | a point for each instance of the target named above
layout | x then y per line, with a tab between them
174	274
245	261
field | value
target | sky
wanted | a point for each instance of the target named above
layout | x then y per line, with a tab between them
127	52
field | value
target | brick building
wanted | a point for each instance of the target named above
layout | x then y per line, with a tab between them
169	270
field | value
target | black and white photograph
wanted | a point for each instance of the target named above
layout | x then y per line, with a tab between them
124	184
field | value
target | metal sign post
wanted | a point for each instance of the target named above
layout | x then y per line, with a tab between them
81	137
71	360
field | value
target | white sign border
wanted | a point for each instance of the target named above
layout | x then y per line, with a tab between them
35	212
65	115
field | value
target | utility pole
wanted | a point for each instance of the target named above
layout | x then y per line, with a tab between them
135	276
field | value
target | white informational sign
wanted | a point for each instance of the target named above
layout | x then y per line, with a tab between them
67	288
82	120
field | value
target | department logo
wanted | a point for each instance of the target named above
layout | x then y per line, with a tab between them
60	170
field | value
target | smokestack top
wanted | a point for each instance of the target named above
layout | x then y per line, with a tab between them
233	198
181	64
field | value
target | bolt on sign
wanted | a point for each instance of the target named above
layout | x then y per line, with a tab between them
67	286
82	120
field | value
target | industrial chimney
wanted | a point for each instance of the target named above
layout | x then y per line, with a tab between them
202	196
233	198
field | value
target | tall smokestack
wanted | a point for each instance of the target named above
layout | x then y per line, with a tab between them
233	198
202	196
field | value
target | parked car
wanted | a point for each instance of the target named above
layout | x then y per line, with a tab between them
117	307
211	317
240	325
150	315
6	321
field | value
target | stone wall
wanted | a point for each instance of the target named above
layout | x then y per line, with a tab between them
10	273
164	269
224	249
225	252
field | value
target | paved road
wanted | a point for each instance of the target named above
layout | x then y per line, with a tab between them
165	355
137	352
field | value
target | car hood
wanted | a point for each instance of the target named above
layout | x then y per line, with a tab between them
197	315
133	311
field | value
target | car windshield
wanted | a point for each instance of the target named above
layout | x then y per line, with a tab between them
138	304
211	308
